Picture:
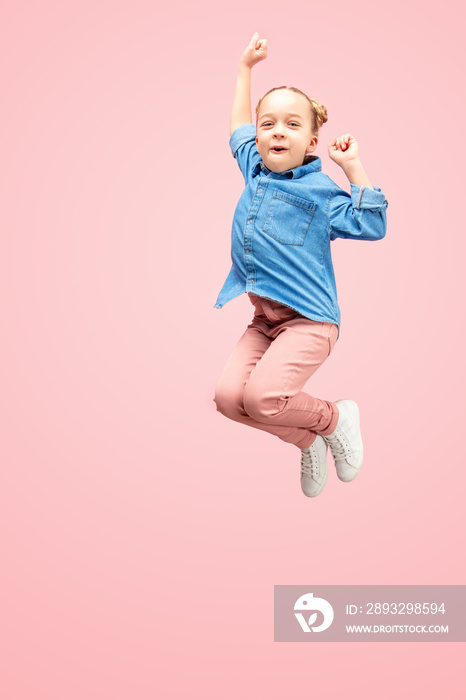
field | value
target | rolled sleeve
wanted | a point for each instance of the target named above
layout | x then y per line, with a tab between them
360	214
367	198
243	147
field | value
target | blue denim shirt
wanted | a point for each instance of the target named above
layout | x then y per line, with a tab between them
282	228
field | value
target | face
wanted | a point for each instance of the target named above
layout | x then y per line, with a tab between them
284	130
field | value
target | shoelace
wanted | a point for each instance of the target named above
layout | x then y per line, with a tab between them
309	463
340	448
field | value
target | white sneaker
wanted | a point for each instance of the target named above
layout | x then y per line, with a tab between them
346	442
314	467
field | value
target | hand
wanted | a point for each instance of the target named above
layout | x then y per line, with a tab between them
343	149
255	52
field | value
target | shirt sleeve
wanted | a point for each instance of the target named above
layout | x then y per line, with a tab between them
360	214
243	147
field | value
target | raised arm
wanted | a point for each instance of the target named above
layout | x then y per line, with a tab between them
241	110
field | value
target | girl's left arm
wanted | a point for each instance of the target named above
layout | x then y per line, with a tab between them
362	213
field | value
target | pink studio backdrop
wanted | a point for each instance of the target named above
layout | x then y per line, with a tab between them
141	531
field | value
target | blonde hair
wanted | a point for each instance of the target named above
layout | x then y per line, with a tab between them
318	111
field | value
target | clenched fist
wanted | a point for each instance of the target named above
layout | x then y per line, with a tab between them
343	149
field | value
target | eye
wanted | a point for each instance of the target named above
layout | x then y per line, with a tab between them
294	124
266	124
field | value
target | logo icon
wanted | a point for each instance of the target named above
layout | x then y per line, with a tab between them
308	603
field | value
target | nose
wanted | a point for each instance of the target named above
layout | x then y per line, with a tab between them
278	129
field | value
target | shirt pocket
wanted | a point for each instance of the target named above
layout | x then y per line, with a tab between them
288	218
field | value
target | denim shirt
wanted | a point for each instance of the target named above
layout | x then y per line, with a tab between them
282	228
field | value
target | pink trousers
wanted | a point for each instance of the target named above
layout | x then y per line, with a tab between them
261	384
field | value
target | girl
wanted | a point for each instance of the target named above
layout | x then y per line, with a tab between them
282	228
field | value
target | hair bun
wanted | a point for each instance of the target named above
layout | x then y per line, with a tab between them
320	112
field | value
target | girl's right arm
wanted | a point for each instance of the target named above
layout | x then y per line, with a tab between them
241	110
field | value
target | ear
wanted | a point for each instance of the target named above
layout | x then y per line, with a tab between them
312	146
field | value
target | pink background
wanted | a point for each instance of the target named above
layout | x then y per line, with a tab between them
141	531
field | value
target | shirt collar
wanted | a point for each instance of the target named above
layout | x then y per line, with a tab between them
313	166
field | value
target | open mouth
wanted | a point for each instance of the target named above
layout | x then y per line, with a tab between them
278	149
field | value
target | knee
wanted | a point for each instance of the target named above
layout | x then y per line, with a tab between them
228	400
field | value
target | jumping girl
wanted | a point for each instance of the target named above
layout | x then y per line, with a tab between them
286	217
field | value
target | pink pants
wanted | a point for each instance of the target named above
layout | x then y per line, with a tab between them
262	380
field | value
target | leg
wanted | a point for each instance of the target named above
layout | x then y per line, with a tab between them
262	381
273	395
229	390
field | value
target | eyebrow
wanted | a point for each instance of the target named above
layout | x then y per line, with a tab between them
288	115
